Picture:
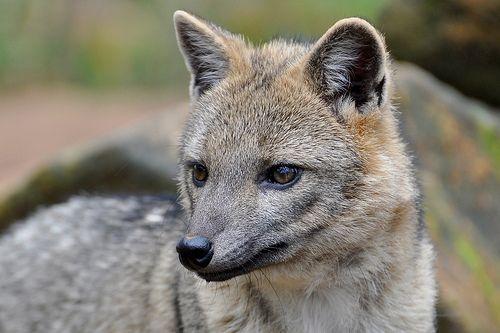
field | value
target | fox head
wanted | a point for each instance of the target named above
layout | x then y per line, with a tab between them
290	158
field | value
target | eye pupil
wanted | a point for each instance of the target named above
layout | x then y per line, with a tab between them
200	174
283	174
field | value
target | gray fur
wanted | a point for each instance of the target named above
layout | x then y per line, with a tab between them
88	266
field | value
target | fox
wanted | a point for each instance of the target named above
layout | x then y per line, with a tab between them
298	207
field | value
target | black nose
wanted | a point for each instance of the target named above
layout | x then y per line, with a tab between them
195	252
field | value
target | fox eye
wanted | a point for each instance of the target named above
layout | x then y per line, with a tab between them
200	174
283	176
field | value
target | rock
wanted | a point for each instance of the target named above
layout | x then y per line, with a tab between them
456	145
137	160
457	148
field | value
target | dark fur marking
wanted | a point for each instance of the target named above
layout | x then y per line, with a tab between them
421	227
270	251
189	304
311	233
308	234
177	306
189	192
262	305
352	187
353	258
379	89
304	207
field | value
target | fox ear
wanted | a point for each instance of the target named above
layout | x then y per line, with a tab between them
203	46
349	61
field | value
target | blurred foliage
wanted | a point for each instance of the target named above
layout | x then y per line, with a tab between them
117	43
123	43
457	40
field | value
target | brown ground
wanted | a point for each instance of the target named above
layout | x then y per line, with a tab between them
36	124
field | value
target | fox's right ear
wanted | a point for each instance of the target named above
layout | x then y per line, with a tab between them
204	47
350	62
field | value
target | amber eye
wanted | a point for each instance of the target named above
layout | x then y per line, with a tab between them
200	174
283	175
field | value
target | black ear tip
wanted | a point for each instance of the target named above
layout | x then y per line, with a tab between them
379	90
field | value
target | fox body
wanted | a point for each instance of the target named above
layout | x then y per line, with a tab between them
299	208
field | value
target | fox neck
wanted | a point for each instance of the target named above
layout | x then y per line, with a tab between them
370	296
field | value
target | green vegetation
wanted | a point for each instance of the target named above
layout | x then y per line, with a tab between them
115	44
491	145
131	43
456	40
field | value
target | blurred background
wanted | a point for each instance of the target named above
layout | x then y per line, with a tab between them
93	94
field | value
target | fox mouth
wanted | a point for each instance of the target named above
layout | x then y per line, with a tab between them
262	259
225	274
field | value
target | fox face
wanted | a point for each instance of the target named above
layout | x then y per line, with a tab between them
287	158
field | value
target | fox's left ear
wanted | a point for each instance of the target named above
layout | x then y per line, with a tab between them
349	61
